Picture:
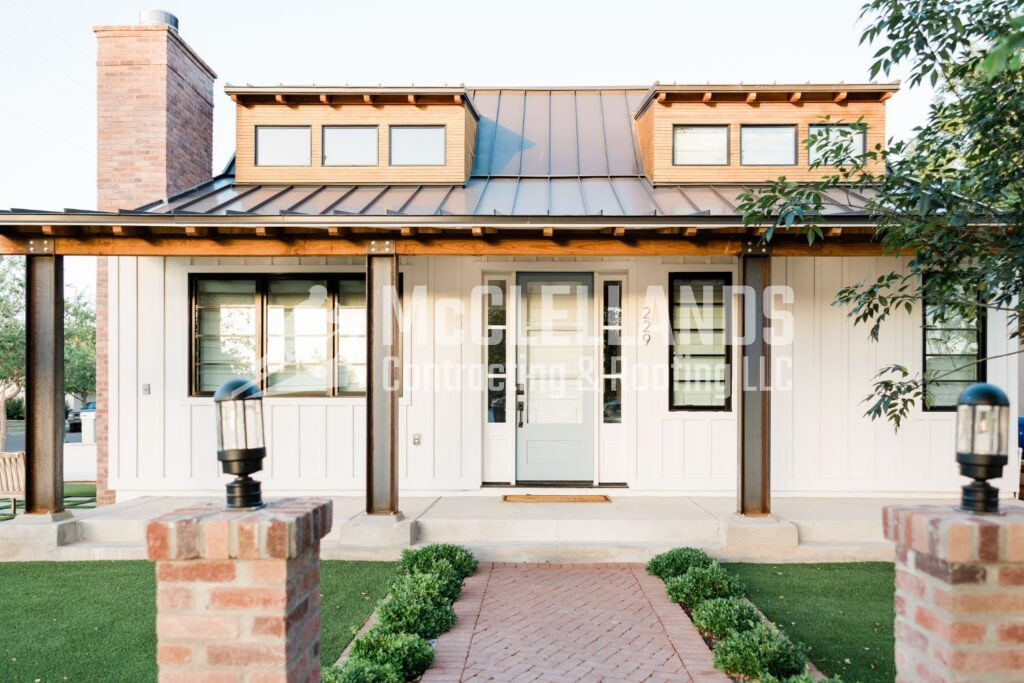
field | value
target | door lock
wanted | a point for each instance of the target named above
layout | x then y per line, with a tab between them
520	405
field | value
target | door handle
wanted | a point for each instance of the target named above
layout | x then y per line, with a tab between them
520	405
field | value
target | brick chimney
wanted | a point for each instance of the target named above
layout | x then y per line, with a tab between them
154	108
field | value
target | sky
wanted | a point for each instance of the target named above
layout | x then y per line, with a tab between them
48	54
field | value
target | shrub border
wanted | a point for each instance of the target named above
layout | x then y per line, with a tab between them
408	557
809	668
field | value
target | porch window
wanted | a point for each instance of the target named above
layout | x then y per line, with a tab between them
700	145
700	349
953	349
299	336
768	145
417	145
350	146
283	145
834	134
497	350
611	367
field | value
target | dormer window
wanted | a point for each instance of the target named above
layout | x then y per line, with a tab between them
350	146
700	145
768	145
283	145
417	146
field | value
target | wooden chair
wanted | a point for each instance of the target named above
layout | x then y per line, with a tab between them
12	477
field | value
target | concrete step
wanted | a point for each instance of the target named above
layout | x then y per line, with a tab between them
91	550
560	553
568	530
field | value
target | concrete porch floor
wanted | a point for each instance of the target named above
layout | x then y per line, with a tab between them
628	529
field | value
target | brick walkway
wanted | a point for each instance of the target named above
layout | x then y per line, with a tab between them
597	622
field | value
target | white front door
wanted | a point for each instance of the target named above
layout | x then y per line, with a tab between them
555	392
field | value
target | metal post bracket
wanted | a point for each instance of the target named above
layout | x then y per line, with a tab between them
756	248
380	247
38	246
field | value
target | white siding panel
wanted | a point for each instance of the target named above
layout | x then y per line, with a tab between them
150	316
340	447
176	314
127	418
283	458
312	453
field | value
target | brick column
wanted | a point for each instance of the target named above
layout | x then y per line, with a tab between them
238	593
959	593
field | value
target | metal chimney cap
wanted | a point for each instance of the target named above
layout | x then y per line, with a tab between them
158	17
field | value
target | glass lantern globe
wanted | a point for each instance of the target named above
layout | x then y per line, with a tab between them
240	440
982	441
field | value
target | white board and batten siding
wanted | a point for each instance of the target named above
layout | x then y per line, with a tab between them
163	441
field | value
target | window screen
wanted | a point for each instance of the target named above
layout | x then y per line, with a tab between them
697	145
699	349
768	145
283	145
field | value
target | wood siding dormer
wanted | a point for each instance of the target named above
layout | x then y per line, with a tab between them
317	112
738	106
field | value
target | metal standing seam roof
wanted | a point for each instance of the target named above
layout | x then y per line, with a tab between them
539	152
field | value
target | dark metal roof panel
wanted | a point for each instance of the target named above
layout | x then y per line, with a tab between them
536	154
564	137
566	197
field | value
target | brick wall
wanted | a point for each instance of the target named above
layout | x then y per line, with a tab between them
238	592
959	594
154	108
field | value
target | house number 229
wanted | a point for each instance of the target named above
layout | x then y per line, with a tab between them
645	326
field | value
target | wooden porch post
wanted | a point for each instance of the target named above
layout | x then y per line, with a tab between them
383	375
44	380
754	486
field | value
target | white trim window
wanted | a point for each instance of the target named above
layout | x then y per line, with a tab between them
611	354
496	327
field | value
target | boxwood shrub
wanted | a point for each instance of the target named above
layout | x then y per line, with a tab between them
718	617
422	560
360	671
449	580
758	652
703	583
675	562
417	605
799	678
407	654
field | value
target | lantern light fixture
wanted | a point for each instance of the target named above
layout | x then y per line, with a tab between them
982	438
240	440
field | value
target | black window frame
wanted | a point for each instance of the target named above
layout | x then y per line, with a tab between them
796	142
726	278
728	142
444	144
256	145
262	281
323	145
863	133
981	329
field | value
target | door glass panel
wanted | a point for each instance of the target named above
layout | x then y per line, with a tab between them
557	315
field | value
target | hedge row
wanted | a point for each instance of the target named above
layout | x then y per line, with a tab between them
418	608
746	646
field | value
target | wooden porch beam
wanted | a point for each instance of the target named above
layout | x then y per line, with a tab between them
44	384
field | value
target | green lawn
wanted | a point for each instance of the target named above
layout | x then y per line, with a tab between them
85	492
94	621
842	612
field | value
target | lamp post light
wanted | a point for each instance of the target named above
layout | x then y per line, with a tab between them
240	445
982	436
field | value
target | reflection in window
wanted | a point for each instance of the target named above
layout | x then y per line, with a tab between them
298	328
848	138
953	347
700	349
496	340
768	145
696	145
350	146
350	325
225	332
611	365
417	146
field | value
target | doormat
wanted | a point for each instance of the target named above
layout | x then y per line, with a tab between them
532	498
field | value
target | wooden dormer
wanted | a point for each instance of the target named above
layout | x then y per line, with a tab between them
727	115
325	134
